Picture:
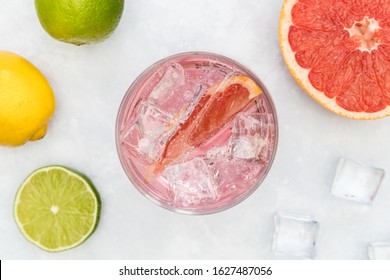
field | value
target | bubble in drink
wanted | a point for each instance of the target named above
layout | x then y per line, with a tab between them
190	102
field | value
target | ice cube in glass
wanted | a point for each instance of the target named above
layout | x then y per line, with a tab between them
231	174
191	183
173	94
249	135
170	81
295	235
149	131
356	181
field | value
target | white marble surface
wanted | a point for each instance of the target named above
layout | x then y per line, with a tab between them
89	83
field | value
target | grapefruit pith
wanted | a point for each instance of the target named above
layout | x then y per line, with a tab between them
339	53
218	106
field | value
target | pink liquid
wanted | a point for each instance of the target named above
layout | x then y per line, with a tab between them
168	91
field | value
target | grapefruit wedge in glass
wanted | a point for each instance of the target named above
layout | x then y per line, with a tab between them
218	106
339	53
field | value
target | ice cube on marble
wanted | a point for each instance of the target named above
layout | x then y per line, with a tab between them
295	235
379	251
149	132
250	135
356	181
191	183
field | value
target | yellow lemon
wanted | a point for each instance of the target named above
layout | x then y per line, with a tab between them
26	101
79	21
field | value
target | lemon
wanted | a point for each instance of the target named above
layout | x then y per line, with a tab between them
79	21
56	208
26	101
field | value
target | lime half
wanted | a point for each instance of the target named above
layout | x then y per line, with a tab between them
56	208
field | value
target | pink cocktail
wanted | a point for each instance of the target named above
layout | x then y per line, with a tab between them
196	133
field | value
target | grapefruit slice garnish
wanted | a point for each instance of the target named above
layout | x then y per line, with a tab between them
339	53
217	107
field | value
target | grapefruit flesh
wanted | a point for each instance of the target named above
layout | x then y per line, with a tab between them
218	106
339	52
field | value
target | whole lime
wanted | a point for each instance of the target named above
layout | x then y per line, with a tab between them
79	21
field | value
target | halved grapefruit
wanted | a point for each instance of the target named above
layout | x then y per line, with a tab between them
219	105
339	53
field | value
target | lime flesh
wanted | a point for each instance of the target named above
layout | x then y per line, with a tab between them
56	208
